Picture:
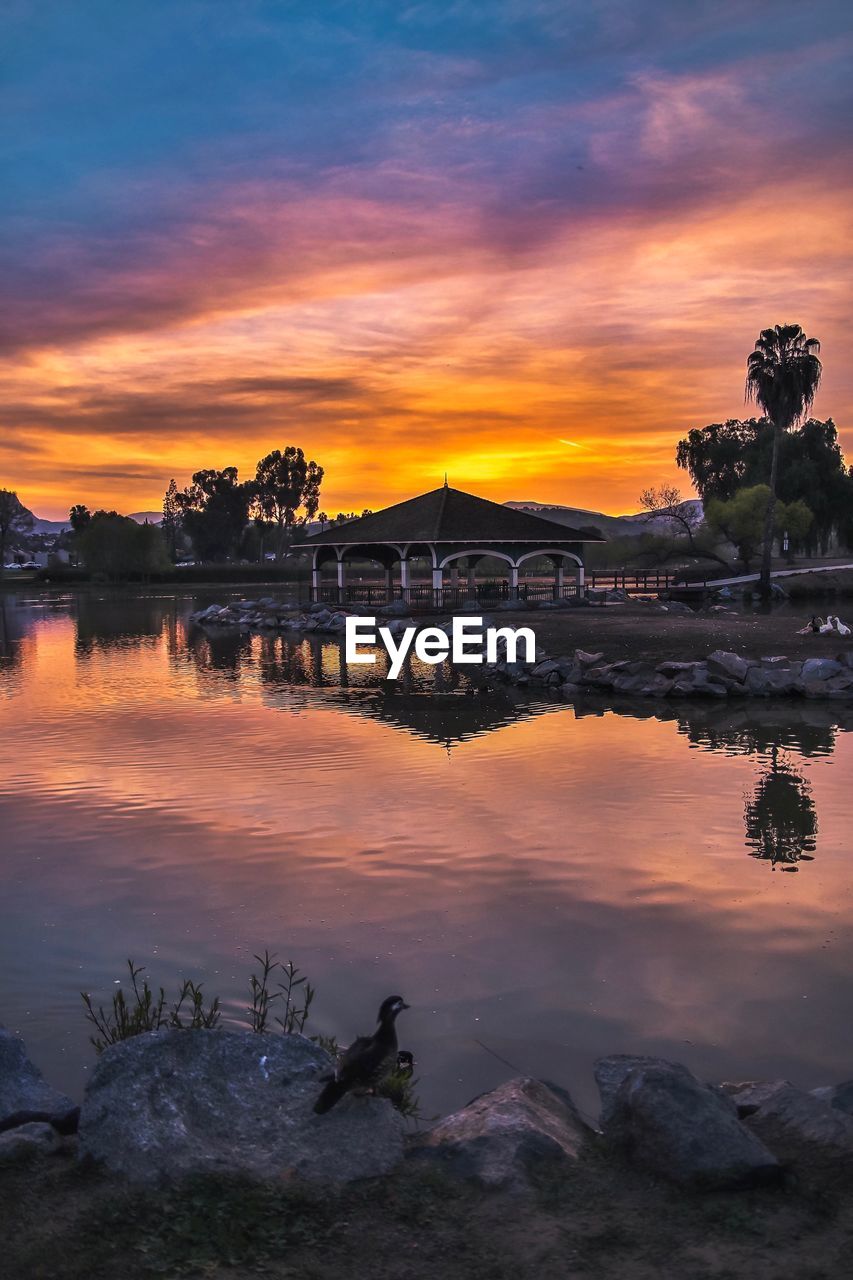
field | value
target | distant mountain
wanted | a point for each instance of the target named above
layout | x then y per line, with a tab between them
629	526
59	526
578	517
47	526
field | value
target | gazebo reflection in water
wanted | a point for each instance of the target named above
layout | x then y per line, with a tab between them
449	537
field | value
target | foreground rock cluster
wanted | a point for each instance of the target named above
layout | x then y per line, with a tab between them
720	675
171	1103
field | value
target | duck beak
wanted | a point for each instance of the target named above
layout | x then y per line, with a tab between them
403	1005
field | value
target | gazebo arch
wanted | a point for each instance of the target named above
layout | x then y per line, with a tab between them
444	526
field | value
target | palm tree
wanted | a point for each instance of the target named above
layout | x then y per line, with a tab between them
782	378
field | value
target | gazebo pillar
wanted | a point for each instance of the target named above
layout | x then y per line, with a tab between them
580	576
473	561
389	584
315	582
438	586
404	574
559	579
513	582
342	580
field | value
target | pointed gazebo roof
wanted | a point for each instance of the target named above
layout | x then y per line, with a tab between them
449	515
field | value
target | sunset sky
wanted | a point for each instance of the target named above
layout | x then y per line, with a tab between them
526	242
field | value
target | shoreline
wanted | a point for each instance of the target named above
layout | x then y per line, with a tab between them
824	671
190	1160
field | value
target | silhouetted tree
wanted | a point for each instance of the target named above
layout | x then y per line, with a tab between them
719	457
726	456
15	520
285	483
171	522
214	512
80	517
780	817
665	504
117	547
782	377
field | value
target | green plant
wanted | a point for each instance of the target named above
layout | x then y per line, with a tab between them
296	1002
261	998
295	1014
399	1089
142	1012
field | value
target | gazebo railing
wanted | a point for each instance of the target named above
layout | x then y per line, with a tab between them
423	596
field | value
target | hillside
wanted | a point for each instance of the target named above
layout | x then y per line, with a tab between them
628	526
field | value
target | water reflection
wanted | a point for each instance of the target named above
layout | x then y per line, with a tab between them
780	817
553	880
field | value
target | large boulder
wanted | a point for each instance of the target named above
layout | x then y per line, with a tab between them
669	1123
820	669
25	1095
170	1103
730	665
804	1132
502	1136
611	1072
764	682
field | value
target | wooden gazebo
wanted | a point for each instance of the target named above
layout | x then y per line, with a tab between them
446	528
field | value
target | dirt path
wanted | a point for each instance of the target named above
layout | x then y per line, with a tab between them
642	631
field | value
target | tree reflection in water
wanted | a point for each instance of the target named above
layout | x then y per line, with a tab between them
780	816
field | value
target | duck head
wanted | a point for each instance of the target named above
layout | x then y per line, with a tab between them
389	1008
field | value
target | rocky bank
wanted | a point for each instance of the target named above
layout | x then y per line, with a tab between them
168	1104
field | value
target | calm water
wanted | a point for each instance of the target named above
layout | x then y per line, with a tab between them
542	883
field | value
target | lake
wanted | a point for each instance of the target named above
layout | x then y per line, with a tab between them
543	883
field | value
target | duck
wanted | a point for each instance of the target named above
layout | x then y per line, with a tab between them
841	627
367	1059
405	1067
826	628
813	625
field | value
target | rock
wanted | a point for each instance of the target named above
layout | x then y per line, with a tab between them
610	1072
820	669
721	663
170	1103
678	607
647	685
546	668
839	1096
703	685
28	1140
803	1132
584	659
501	1136
749	1095
673	669
669	1123
839	686
25	1095
780	662
761	682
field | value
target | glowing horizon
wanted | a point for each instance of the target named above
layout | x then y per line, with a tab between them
527	245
